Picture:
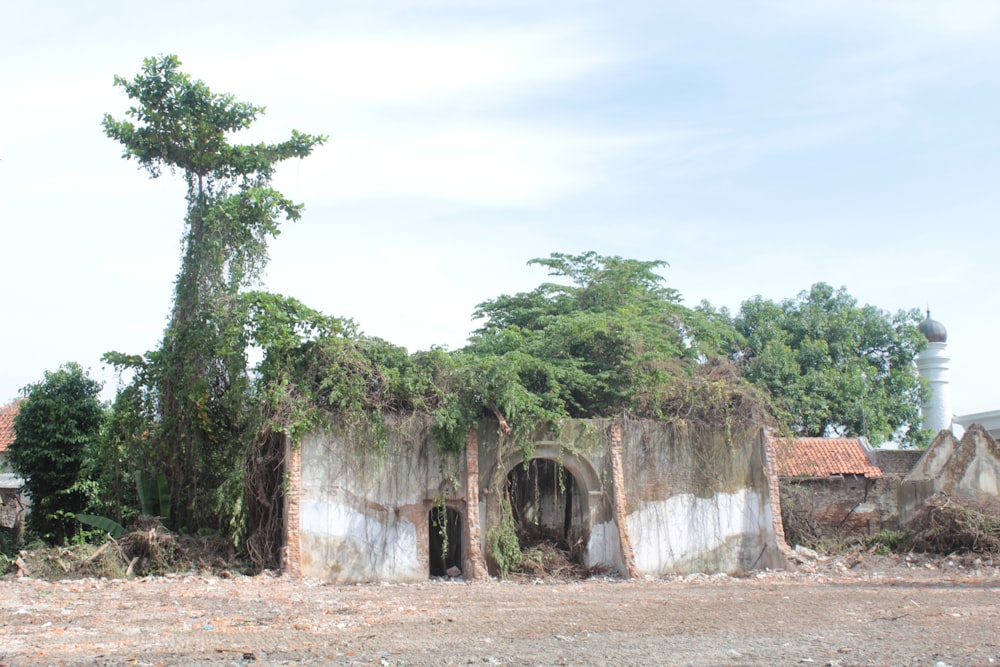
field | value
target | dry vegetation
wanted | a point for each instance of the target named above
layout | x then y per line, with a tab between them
147	549
956	524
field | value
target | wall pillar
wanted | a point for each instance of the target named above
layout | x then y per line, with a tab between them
291	554
474	566
774	493
621	514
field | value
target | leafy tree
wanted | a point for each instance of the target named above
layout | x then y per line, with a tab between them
57	429
591	346
608	338
194	391
834	368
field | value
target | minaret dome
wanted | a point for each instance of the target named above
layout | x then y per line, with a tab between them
933	330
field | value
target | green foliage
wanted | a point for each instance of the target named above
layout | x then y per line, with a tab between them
595	346
190	410
9	548
834	368
57	427
612	339
106	475
110	526
886	541
502	542
154	494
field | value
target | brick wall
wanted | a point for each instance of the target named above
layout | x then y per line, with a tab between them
292	553
897	461
839	508
474	566
774	494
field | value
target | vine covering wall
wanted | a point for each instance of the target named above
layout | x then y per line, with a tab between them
694	499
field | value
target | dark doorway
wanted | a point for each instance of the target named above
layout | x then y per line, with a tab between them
445	535
547	507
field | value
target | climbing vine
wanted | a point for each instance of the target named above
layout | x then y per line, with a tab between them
502	541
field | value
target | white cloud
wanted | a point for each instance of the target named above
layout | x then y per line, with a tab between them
472	65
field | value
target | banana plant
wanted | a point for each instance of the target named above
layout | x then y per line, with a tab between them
154	497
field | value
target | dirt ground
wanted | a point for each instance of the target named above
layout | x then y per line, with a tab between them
879	611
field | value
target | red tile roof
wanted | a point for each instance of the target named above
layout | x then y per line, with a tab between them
822	457
7	414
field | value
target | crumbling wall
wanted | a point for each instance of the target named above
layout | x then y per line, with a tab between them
897	462
14	501
968	467
10	509
670	500
363	509
837	508
698	499
580	447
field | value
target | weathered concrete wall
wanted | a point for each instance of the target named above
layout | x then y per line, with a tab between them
699	501
968	467
581	448
363	511
10	507
690	501
695	501
14	501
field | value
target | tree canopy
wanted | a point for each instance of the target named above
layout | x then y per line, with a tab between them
57	428
834	368
607	337
588	346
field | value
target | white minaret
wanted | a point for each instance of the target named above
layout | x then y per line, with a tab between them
933	363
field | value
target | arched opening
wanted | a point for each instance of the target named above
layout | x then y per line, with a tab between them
445	540
548	508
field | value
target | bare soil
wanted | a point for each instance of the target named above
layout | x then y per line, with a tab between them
863	610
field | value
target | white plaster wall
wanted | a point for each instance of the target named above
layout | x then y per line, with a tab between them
382	551
604	547
357	506
685	533
983	473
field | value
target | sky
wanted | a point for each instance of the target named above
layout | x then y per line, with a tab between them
756	147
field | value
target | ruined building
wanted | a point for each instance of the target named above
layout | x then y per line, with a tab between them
633	496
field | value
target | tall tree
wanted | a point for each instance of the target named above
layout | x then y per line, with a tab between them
835	368
197	382
56	429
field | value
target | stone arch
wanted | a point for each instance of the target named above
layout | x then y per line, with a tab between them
582	470
587	491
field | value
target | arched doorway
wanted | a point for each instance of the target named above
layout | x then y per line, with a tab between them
549	508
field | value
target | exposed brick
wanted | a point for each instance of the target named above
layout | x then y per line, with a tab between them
620	505
475	565
897	461
774	494
841	507
292	553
